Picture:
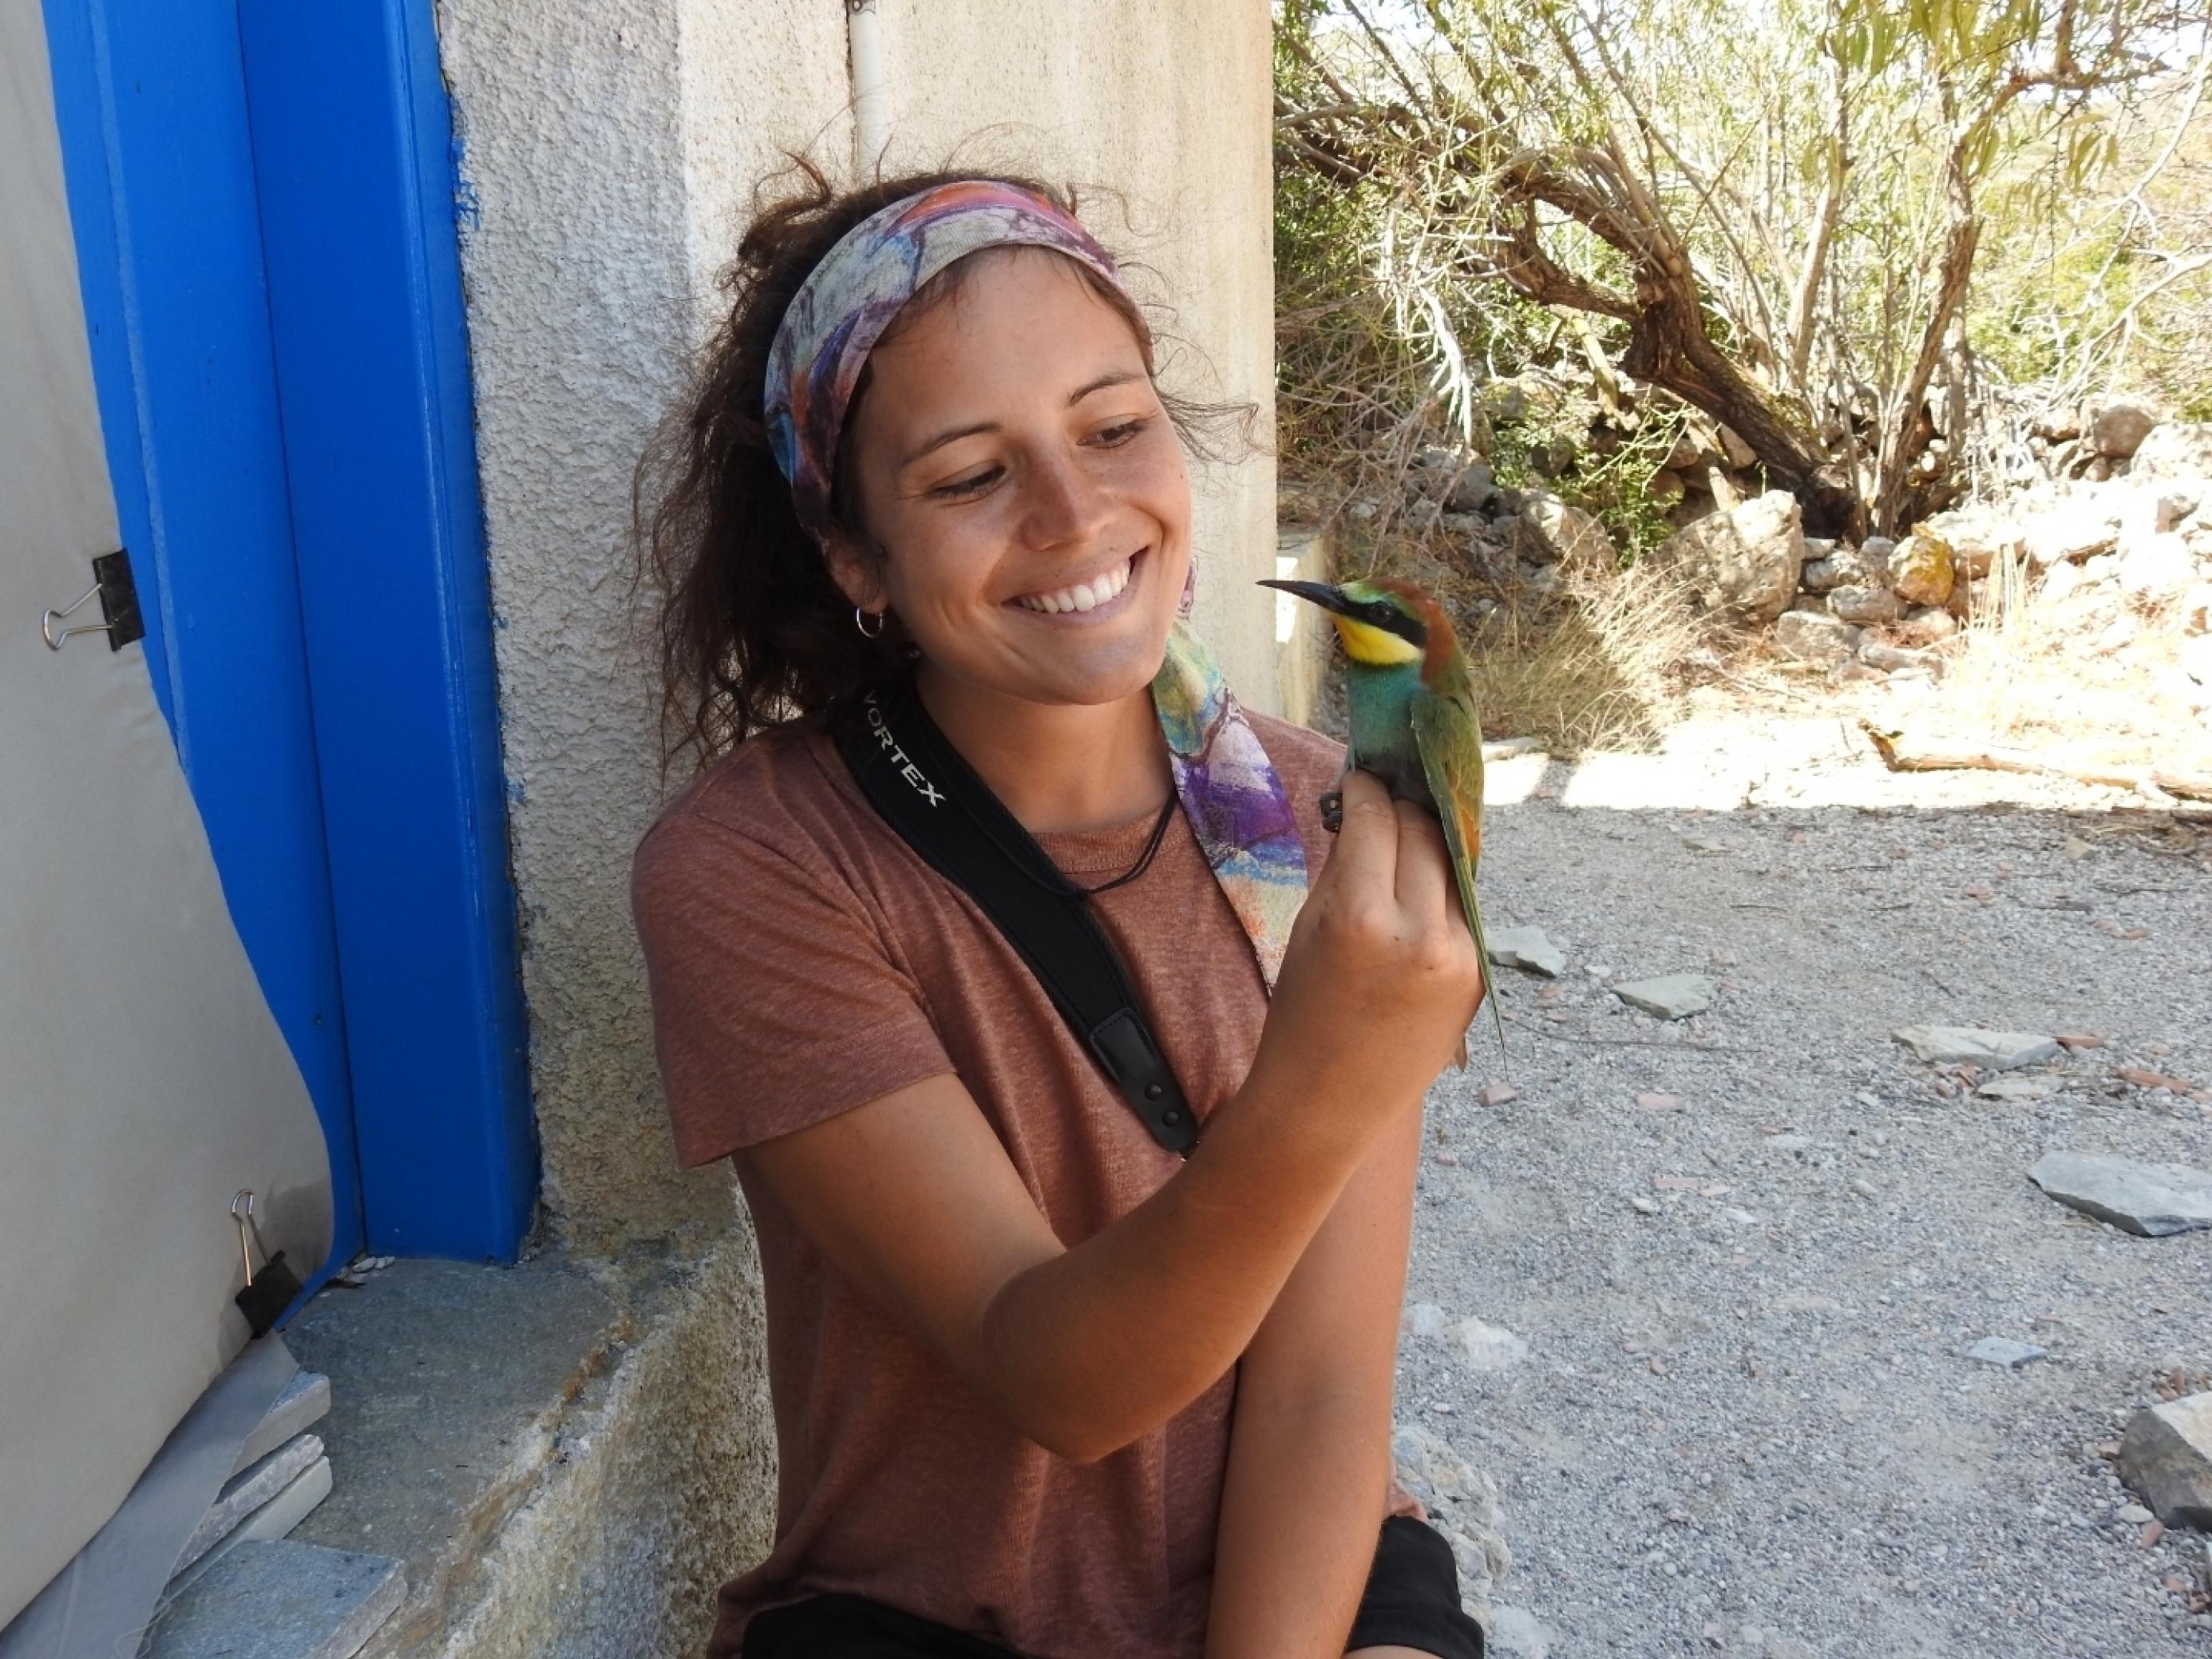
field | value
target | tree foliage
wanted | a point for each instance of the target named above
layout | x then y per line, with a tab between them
1774	214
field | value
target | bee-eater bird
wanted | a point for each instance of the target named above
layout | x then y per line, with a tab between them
1414	720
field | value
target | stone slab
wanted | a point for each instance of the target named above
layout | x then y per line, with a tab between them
2019	1088
2149	1200
305	1402
1670	996
274	1519
1526	947
2003	1350
246	1491
2165	1457
281	1599
1972	1045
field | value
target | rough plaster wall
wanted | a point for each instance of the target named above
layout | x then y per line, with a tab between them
760	81
604	150
1168	105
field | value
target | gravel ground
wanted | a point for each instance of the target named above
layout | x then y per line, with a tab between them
1742	1422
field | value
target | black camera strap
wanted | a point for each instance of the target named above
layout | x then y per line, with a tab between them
916	780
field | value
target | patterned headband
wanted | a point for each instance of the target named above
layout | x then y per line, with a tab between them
845	305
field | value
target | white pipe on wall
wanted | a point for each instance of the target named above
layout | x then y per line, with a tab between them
871	98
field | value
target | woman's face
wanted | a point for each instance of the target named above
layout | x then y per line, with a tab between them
1015	464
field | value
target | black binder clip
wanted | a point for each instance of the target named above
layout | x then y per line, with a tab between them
269	1291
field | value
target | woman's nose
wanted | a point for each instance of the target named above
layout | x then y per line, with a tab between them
1064	503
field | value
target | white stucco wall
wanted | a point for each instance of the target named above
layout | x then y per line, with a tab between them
607	152
1169	106
610	153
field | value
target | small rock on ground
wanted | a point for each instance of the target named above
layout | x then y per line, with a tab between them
2167	1456
2149	1200
1811	636
2003	1350
1423	1319
1526	947
1491	1347
2000	1051
1670	996
2019	1088
1516	1633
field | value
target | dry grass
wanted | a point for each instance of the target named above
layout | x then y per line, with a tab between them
2089	679
1601	668
1599	664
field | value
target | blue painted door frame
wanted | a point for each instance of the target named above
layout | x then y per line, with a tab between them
263	194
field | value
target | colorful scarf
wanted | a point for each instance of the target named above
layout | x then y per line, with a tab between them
1229	791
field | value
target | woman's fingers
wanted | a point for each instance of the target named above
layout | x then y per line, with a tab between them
1423	872
1390	851
1380	979
1366	857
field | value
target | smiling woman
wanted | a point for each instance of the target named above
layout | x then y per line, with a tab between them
1057	1370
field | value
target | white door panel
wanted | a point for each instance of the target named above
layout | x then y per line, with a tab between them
143	1080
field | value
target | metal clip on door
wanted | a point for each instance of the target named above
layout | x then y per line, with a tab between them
118	594
269	1292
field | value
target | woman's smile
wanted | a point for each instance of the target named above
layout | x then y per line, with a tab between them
1091	599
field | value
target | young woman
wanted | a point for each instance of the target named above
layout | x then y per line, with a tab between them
1046	1379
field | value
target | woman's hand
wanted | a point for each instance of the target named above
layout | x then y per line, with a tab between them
1381	975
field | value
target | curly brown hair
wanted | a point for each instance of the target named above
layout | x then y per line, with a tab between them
753	631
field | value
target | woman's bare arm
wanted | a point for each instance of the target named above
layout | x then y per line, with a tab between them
1309	1450
1084	1349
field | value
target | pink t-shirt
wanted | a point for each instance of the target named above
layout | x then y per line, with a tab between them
805	961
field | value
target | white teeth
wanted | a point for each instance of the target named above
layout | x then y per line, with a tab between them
1082	596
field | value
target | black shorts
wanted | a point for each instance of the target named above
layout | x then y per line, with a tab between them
1412	1600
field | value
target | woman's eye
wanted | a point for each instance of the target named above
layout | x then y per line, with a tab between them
973	484
1113	437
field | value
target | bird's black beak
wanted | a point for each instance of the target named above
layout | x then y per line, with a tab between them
1321	593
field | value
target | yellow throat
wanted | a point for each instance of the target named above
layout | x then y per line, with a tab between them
1364	642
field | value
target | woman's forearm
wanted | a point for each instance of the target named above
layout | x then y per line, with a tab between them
1308	1451
1099	1344
1300	1515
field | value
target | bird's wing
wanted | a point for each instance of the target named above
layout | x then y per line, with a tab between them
1449	736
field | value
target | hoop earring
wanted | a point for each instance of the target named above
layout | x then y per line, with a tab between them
859	621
